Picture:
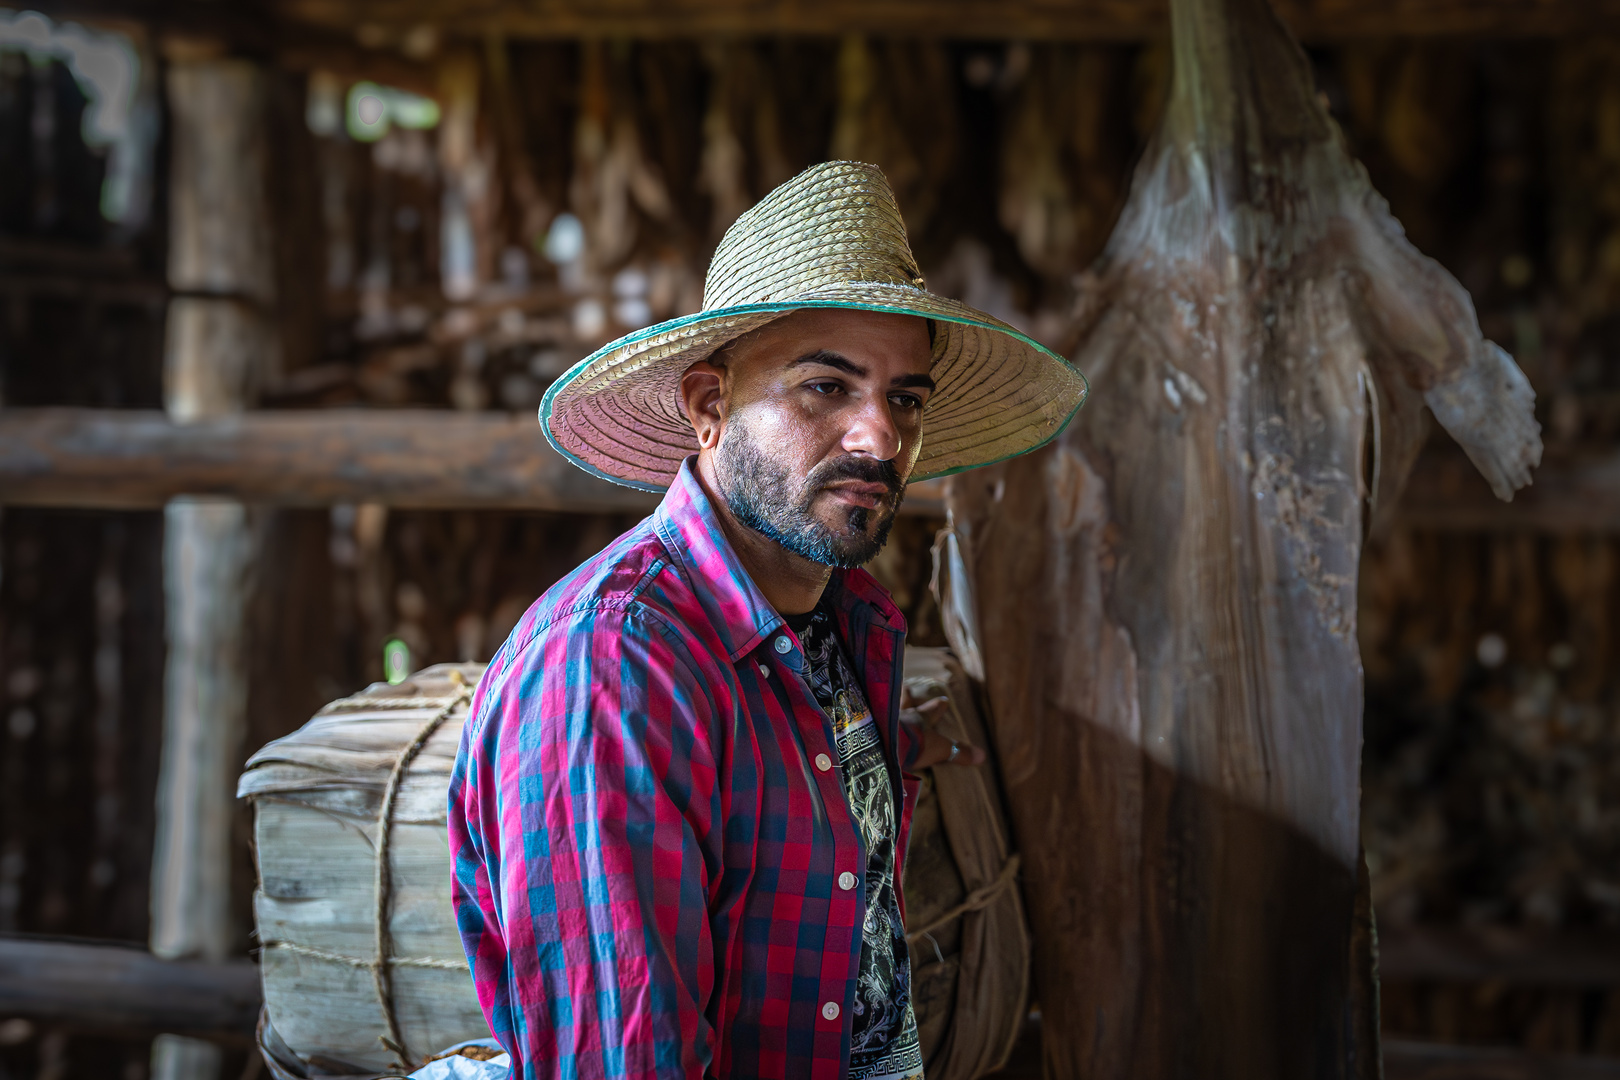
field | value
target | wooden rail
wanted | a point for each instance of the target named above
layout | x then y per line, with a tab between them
1409	1059
410	458
311	33
442	459
1499	954
1573	491
113	987
1117	20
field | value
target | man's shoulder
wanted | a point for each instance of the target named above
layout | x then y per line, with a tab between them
612	579
634	579
635	587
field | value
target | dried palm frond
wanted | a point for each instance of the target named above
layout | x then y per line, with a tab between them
1167	596
613	177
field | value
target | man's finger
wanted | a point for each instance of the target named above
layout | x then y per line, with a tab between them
969	755
936	750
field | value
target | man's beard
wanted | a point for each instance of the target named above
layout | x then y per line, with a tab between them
763	496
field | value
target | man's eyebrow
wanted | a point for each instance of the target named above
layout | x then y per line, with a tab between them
828	358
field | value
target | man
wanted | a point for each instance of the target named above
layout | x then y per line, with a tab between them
679	816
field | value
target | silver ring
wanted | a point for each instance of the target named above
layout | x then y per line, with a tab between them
956	748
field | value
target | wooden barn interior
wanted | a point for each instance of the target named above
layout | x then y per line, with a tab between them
282	284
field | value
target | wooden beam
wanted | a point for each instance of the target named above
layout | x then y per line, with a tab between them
248	30
1044	20
301	32
1573	491
440	459
1498	954
1404	1059
105	986
84	290
1409	1059
410	458
35	268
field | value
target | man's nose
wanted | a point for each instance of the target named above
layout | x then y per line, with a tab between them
872	431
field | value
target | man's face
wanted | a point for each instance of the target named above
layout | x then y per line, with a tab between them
819	428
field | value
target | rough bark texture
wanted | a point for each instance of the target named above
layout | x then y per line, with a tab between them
1166	597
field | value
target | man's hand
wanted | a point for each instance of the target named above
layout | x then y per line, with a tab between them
936	748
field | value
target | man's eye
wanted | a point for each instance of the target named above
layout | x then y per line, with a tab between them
827	388
906	401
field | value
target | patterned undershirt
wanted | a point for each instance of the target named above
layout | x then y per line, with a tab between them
883	1029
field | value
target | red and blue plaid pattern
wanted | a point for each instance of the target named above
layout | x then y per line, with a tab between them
646	846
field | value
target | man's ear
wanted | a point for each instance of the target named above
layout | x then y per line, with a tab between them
703	400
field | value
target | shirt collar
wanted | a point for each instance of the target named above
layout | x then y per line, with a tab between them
690	529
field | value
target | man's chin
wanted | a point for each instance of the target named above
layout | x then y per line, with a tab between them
857	533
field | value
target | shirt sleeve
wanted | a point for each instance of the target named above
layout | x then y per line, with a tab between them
582	849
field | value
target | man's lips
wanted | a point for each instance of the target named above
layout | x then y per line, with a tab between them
868	496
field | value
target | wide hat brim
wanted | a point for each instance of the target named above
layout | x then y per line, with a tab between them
998	393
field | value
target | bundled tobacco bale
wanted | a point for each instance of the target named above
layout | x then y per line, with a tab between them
970	947
363	969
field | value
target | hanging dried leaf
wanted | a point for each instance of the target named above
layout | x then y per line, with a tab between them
612	176
468	161
1167	597
543	103
725	161
666	95
895	110
794	125
528	211
1058	167
1584	137
1410	106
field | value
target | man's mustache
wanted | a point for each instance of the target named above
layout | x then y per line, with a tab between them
863	470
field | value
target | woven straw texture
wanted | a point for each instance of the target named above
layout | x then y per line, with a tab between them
830	237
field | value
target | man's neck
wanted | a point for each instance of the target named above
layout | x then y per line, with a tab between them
792	583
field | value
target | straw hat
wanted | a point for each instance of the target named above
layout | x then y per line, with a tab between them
830	237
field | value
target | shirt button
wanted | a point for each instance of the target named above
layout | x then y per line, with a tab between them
823	762
764	671
830	1010
846	880
783	645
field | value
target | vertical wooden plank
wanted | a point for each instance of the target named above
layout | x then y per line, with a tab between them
220	345
207	561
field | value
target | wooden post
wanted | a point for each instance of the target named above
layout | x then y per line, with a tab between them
220	342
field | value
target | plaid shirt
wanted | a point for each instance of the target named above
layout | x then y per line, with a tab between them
646	827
